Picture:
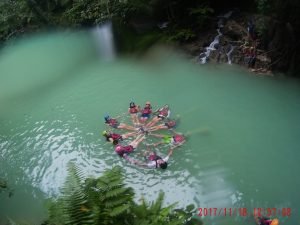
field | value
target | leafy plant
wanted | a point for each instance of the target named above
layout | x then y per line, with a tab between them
182	35
106	200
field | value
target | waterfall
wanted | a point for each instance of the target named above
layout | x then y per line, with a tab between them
104	41
229	53
202	58
211	47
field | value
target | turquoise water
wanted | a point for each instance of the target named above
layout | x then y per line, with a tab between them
243	142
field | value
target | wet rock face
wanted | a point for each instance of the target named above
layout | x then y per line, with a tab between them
234	31
235	45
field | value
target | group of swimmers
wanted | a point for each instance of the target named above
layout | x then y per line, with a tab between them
144	122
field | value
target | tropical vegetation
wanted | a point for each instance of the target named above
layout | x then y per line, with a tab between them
167	20
107	200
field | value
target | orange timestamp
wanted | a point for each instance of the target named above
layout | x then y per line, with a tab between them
243	212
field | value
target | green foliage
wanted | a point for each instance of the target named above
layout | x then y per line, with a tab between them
182	35
201	14
92	12
106	200
263	6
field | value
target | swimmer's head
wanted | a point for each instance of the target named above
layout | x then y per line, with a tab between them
131	104
148	105
118	148
163	165
106	118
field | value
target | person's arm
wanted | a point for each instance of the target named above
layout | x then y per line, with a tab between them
179	144
169	113
169	155
170	152
174	132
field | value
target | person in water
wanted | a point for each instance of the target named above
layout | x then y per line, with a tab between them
115	138
114	123
153	161
169	124
176	140
122	150
162	113
133	111
266	221
146	112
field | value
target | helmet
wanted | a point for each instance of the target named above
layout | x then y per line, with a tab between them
104	133
131	104
118	148
163	165
148	103
106	117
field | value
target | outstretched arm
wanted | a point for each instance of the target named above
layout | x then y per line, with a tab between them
170	152
179	144
157	135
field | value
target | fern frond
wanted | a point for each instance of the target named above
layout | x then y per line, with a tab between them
119	210
156	206
116	202
115	192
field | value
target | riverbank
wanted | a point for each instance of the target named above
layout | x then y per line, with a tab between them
234	44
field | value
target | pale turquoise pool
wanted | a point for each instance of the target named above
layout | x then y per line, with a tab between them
242	151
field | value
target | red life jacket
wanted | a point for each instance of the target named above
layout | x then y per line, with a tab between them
112	122
116	136
133	110
153	157
147	110
164	112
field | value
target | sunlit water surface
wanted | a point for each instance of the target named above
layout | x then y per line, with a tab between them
243	144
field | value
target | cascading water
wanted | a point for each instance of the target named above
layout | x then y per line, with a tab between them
228	54
104	41
205	55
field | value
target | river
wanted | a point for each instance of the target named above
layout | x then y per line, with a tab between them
243	130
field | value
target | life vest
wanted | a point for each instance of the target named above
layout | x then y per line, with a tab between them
133	109
147	110
115	136
121	150
164	112
112	122
154	157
